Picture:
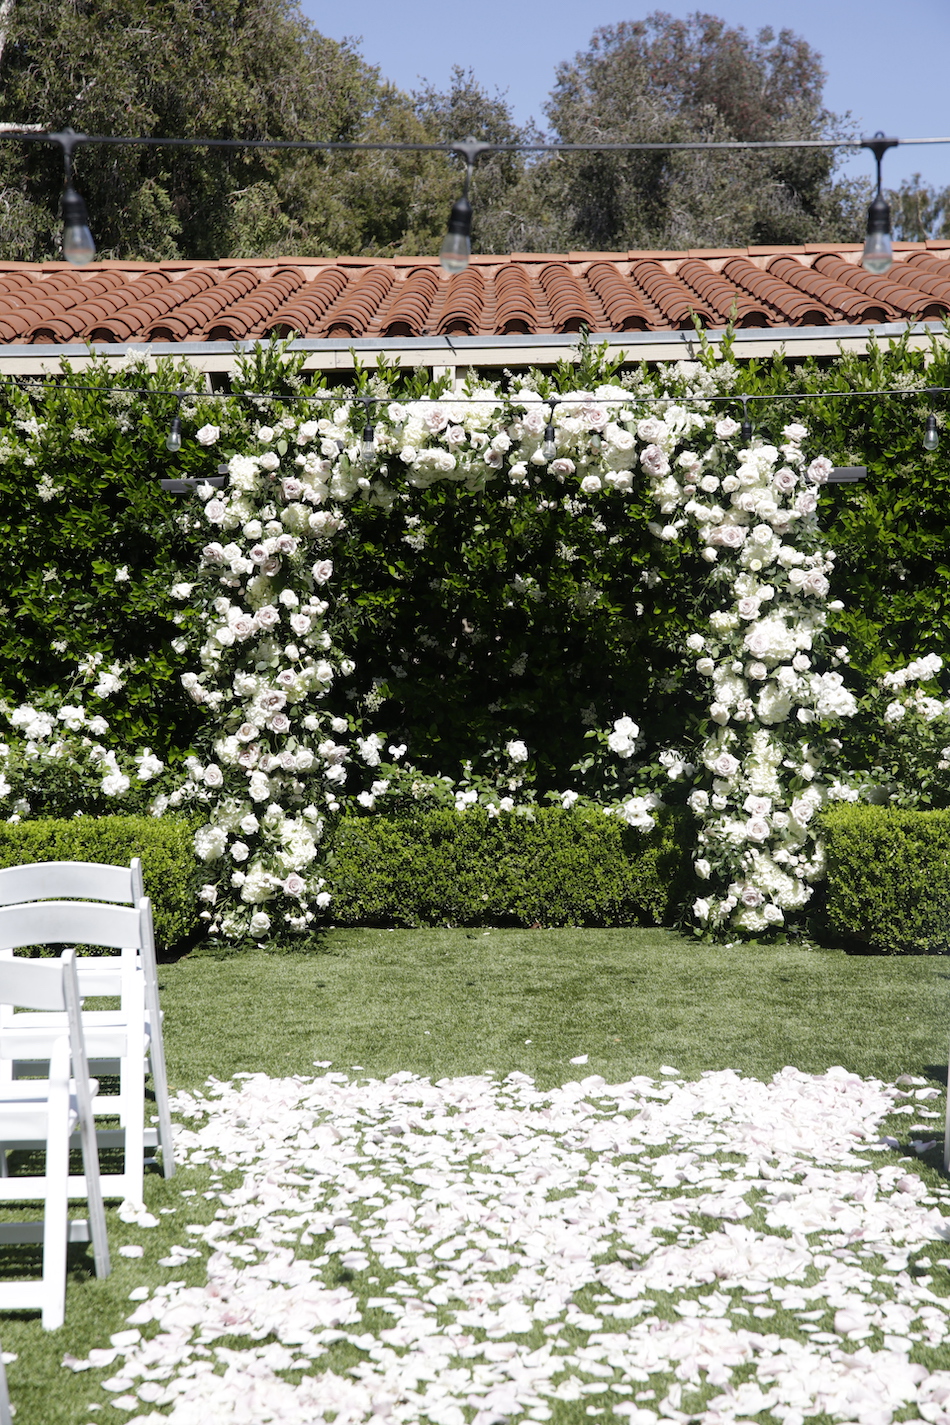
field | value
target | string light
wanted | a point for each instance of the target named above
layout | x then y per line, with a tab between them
368	439
173	438
79	247
878	254
549	447
745	429
457	245
931	434
456	249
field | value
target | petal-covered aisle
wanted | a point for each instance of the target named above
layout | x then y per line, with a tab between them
470	1250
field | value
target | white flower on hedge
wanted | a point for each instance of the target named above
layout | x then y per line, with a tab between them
703	869
207	435
208	893
637	811
517	751
148	764
259	924
240	851
259	787
116	784
210	842
568	799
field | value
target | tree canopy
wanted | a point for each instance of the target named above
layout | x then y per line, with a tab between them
258	69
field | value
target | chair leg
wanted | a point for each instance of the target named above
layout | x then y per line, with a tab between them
55	1212
156	1057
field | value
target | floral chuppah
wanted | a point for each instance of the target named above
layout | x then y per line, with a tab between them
265	589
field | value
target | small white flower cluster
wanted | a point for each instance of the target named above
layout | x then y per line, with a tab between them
68	741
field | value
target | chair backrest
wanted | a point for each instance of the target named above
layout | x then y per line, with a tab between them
76	923
67	880
32	984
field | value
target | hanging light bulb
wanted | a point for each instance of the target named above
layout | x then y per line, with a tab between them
549	444
456	246
931	434
745	429
878	254
368	444
456	249
173	438
78	244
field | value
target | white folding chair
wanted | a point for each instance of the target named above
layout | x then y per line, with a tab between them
91	880
44	1112
115	1039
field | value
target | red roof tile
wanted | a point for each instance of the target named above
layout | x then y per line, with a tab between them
525	293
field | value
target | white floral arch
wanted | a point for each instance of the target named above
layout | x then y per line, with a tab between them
267	661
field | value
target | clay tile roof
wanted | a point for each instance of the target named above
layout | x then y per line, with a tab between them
410	303
625	308
131	323
353	312
569	304
515	308
798	309
98	303
523	293
723	296
463	304
302	311
904	300
854	305
195	315
676	301
249	316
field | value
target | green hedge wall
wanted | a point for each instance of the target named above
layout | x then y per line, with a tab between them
889	878
172	874
557	868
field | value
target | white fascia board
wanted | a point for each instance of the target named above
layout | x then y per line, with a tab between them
795	343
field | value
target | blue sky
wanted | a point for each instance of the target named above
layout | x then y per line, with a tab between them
886	62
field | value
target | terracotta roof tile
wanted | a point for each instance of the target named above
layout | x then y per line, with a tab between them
352	314
886	287
410	304
526	293
677	302
249	316
570	307
463	304
303	310
854	305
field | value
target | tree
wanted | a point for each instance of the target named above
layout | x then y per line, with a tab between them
229	69
667	80
919	211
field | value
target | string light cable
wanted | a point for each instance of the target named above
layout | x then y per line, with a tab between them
369	453
79	247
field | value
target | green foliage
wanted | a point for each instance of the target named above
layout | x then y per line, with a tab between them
164	845
667	80
890	531
889	878
552	868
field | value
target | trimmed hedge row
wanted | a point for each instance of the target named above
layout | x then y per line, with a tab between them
172	875
888	885
888	881
560	867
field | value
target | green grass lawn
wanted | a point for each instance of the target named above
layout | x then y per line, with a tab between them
445	1002
451	1002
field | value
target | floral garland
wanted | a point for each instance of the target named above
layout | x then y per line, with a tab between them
268	655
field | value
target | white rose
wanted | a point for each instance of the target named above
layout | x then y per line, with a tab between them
207	435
